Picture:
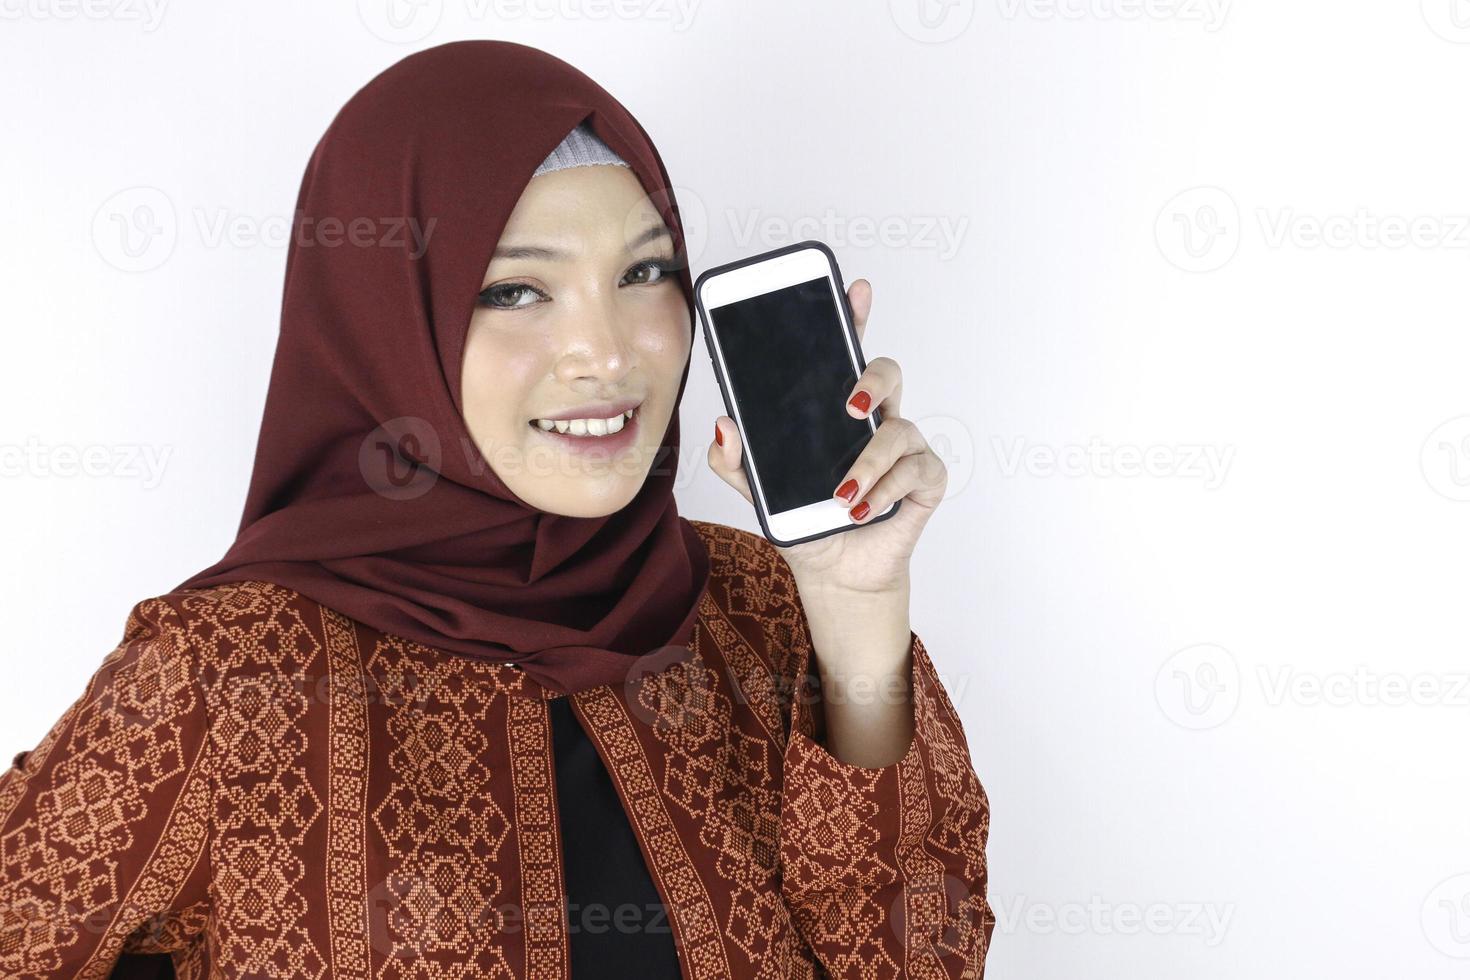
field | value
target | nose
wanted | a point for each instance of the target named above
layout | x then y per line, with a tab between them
597	343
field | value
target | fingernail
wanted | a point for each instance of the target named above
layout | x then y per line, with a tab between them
861	401
848	490
860	511
719	439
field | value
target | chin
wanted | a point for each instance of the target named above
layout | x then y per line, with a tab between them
573	502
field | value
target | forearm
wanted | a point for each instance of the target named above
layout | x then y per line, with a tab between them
861	645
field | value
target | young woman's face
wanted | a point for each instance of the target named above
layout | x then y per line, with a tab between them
580	317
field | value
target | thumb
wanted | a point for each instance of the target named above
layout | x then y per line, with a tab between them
725	451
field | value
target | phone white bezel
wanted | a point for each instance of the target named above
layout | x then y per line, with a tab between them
756	278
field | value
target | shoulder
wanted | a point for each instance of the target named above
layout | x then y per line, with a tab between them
221	627
167	671
751	585
746	567
723	534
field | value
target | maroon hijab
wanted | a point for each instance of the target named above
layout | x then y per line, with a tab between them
367	494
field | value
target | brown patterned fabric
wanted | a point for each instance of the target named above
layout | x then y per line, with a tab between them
260	787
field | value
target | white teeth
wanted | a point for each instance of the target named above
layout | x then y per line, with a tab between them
585	427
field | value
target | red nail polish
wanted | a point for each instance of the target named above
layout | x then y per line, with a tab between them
860	511
719	439
848	490
861	401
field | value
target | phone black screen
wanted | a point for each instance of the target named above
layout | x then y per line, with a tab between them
789	372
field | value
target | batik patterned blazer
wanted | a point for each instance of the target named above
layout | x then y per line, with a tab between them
260	787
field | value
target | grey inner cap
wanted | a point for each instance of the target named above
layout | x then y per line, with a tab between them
581	148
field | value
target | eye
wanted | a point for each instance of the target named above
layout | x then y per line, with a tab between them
501	295
660	266
512	295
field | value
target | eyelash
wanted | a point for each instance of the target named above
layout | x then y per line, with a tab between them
489	293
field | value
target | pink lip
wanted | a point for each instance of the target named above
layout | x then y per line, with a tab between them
596	410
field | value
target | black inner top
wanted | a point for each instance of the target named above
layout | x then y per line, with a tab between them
618	926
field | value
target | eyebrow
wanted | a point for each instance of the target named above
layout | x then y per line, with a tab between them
649	234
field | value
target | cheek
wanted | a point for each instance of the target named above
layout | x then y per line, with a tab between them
497	380
665	337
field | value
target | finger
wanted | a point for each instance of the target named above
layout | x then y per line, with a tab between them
724	455
860	298
895	438
920	477
879	386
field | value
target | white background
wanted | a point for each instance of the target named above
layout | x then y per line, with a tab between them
1181	229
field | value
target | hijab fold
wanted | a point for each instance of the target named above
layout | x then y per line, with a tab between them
367	494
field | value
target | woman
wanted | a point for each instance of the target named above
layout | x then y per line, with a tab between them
467	697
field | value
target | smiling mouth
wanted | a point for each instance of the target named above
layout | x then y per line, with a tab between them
586	428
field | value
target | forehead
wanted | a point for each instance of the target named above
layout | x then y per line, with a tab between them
600	206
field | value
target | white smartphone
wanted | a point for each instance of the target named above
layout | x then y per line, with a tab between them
786	355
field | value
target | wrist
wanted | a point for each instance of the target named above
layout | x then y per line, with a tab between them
827	588
857	632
